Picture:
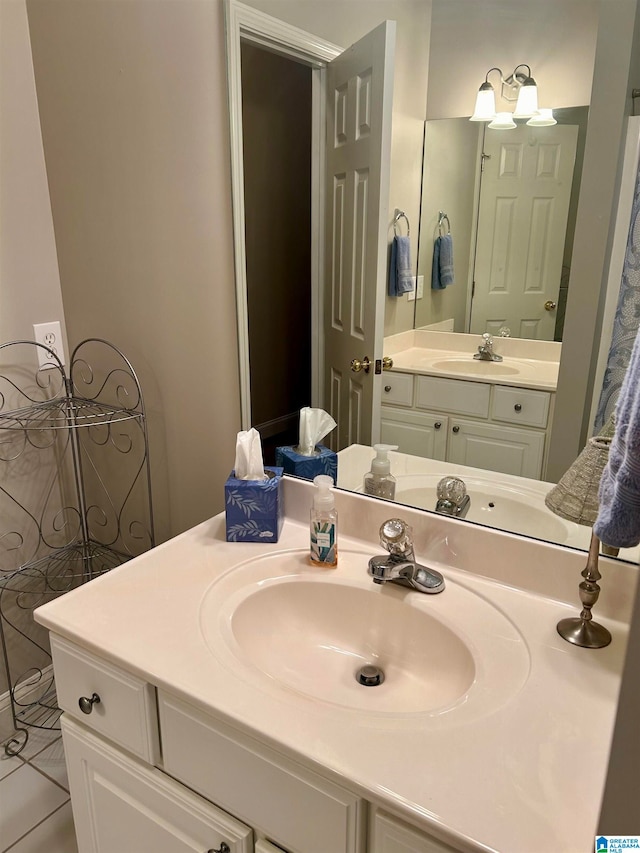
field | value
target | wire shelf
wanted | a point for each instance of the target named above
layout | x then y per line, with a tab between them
75	499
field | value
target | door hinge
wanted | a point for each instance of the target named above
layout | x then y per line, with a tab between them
473	289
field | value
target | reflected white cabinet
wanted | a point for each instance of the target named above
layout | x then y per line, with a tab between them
496	427
121	805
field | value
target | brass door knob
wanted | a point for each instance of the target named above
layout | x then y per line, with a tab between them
387	362
550	305
357	365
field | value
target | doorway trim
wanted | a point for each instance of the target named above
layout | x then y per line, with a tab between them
243	23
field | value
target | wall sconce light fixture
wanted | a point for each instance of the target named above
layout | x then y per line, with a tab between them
519	86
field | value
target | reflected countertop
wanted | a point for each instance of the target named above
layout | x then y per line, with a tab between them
525	364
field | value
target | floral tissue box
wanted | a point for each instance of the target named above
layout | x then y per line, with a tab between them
254	508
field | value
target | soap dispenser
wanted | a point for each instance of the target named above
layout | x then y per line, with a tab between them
324	524
379	482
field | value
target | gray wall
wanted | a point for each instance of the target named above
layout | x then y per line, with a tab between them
134	117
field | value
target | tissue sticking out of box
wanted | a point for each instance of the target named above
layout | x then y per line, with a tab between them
249	464
314	425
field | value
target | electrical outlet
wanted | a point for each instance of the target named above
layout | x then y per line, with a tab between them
420	287
411	295
49	334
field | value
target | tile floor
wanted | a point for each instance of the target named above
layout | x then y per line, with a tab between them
35	809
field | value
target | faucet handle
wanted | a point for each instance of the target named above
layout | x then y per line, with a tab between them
487	338
396	536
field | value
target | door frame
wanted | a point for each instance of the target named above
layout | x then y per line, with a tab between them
243	23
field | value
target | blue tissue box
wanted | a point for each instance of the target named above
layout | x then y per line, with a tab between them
325	461
254	508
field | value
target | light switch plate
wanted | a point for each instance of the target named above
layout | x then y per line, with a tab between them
420	287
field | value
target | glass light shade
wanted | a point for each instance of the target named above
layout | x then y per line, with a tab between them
527	104
503	121
543	119
485	104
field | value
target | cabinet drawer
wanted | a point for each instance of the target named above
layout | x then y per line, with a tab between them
453	395
397	389
390	835
295	807
520	406
126	710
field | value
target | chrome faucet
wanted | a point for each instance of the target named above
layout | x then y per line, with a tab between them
452	497
400	566
485	350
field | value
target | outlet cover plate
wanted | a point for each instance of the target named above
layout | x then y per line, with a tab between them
49	334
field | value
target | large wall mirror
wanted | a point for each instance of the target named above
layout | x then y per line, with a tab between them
437	164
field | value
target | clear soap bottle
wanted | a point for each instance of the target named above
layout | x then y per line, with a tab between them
379	481
324	524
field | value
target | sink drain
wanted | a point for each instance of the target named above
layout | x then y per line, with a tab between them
370	675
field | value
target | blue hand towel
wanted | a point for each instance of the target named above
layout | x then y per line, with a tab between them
400	279
442	268
618	521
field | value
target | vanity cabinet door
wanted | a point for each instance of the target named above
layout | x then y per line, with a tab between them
389	835
417	433
121	805
499	448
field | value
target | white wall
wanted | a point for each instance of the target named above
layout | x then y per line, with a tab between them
556	38
29	282
451	154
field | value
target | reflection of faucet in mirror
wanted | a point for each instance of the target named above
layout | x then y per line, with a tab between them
485	350
400	566
452	497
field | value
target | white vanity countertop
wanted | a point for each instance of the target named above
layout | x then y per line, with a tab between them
525	778
526	364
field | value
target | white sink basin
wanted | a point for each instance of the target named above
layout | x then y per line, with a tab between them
493	504
305	632
475	367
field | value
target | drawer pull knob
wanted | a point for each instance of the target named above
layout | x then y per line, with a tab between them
224	848
518	407
437	425
387	388
86	704
456	429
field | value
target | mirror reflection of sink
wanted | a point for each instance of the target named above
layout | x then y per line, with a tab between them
306	632
493	504
475	367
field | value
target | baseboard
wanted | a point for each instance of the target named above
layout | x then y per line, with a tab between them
26	692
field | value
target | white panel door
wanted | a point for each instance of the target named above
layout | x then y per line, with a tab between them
522	223
359	101
123	806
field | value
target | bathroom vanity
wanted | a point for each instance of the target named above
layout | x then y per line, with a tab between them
440	402
210	700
